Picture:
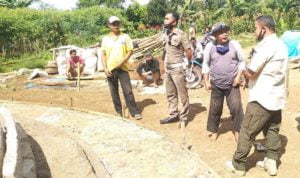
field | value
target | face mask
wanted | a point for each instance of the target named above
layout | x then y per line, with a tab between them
261	35
168	27
222	49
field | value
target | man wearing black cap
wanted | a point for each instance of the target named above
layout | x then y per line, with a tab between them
223	66
148	70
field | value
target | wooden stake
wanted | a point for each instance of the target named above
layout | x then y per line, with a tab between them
78	77
125	113
182	129
53	55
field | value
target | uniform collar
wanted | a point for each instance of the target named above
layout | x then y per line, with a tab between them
175	32
266	39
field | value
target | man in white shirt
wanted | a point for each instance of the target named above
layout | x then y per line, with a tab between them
267	94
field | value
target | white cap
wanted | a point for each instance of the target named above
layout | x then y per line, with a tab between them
113	19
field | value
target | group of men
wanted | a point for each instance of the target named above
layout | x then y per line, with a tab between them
223	68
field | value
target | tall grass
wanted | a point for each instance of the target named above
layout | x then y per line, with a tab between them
27	60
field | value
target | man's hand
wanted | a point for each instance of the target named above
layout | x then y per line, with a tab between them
119	66
107	72
245	83
236	82
207	86
145	74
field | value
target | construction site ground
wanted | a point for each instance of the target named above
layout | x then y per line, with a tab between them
94	96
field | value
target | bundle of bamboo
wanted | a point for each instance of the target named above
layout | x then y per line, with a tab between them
149	44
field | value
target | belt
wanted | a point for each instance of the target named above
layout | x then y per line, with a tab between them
172	66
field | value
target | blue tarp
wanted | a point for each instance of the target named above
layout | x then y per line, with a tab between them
292	41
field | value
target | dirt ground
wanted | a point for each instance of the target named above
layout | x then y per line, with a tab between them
94	95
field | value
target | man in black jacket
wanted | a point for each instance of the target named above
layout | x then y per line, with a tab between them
148	70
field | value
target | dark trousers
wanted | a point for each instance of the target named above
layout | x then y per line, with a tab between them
234	103
257	118
113	83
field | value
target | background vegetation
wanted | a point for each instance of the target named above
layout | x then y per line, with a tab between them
28	33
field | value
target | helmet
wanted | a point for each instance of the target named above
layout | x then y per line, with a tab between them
219	26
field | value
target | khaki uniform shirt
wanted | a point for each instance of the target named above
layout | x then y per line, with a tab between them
270	62
175	44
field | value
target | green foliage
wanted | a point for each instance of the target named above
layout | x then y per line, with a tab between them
136	13
25	30
174	5
157	10
143	33
245	39
112	3
106	3
15	3
27	60
87	3
240	14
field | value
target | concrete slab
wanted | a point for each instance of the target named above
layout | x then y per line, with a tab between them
125	149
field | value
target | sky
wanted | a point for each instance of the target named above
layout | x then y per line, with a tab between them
71	4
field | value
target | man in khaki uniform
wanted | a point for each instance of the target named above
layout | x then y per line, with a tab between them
176	43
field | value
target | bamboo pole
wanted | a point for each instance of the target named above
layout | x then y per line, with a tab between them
78	77
53	54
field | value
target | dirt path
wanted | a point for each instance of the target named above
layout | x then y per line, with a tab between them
95	96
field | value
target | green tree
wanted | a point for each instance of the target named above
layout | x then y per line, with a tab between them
282	6
112	3
106	3
174	5
88	3
15	3
136	13
157	10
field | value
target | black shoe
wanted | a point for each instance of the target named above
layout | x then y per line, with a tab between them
169	120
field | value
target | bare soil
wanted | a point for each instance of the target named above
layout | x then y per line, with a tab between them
94	95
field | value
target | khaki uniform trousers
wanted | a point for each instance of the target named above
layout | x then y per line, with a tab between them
176	86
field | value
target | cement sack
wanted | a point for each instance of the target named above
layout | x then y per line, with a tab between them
61	61
90	57
62	69
99	61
